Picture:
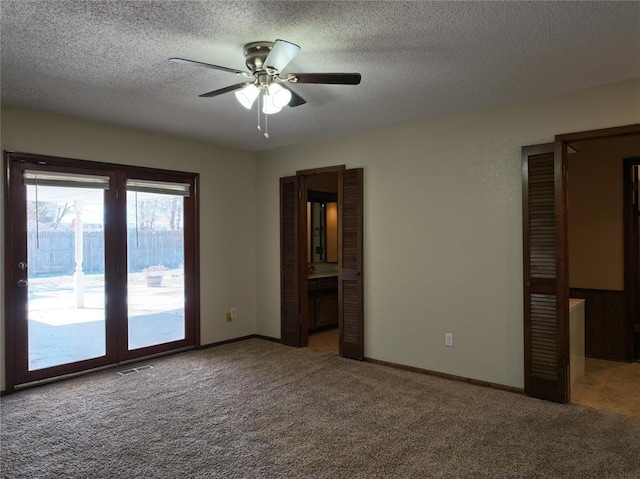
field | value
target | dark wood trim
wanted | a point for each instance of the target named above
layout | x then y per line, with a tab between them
321	171
227	341
9	352
196	260
303	256
321	197
602	133
115	275
452	377
267	338
241	338
595	290
631	256
562	265
97	165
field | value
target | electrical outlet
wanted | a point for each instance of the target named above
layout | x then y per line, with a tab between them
448	339
234	313
229	318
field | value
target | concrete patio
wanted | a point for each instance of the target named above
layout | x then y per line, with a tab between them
60	333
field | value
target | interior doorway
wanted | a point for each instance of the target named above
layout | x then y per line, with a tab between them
602	229
314	264
603	271
322	262
546	264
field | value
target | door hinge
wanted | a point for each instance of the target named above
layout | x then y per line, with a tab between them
299	194
117	194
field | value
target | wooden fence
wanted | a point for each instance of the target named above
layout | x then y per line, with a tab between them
52	252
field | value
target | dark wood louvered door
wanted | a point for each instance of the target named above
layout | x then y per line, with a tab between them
546	294
350	264
290	294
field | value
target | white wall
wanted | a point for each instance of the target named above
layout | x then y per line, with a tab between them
443	222
443	227
227	203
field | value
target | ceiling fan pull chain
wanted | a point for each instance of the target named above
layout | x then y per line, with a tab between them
259	95
266	127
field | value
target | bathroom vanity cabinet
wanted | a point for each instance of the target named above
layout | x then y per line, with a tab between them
323	302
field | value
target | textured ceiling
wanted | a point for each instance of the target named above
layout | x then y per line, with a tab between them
107	60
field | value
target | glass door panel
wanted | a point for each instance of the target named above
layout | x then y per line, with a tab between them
155	259
65	258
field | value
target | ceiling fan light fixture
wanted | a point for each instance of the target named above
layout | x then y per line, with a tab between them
279	96
265	60
268	108
247	95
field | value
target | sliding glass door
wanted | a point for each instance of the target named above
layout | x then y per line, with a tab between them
66	300
100	265
155	263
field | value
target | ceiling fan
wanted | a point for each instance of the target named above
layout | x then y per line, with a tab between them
264	80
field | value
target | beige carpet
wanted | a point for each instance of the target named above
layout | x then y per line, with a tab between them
257	409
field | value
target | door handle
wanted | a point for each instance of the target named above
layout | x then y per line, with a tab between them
22	283
529	284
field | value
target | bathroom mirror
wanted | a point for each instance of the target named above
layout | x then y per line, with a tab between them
322	227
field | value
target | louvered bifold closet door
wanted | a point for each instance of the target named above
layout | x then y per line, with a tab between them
289	251
545	288
350	264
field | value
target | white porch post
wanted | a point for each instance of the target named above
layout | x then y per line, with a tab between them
79	250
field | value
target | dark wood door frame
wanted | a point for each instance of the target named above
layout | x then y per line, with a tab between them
304	285
116	286
631	205
630	302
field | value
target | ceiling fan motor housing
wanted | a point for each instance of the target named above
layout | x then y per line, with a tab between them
255	54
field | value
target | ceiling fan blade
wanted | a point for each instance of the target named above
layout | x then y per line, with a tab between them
280	55
327	78
296	100
221	91
194	63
